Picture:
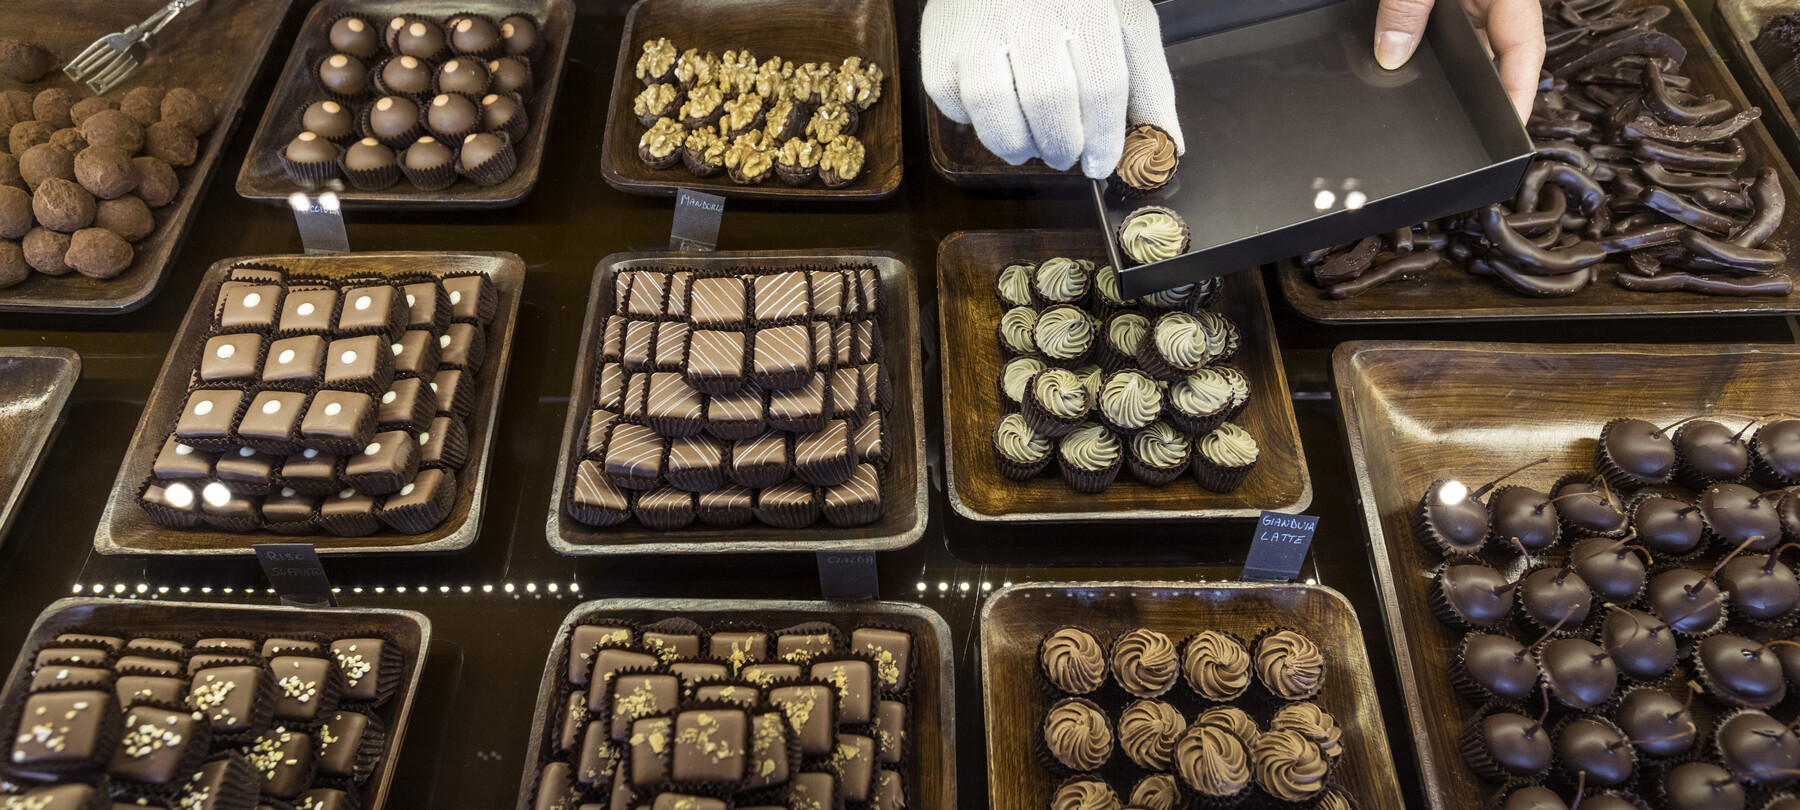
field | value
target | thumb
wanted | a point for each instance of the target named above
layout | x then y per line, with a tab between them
1399	24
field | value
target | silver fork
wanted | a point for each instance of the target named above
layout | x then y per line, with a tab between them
114	57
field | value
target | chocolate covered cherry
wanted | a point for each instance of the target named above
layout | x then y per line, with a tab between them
1597	747
1613	570
1702	786
1500	666
1711	452
1761	587
1686	600
1525	518
1473	595
1516	744
1588	505
1635	453
1450	520
1642	647
1533	797
1577	673
1667	527
1661	725
1740	515
1777	447
1757	748
1550	596
1740	672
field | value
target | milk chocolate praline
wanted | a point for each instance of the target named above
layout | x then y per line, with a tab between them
328	119
343	75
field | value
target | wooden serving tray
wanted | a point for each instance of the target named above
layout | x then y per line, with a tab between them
796	30
35	384
216	49
1017	617
930	775
1737	23
1449	294
903	508
124	529
263	179
1417	411
409	629
960	157
968	311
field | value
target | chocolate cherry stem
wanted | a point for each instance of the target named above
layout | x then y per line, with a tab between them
1648	560
1757	653
1664	738
1632	535
1735	437
1692	690
1681	422
1580	789
1721	566
1769	567
1476	495
1534	728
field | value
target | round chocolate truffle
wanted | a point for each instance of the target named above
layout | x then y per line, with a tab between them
406	75
90	105
44	251
156	181
52	107
419	38
27	134
98	253
520	33
393	117
509	74
343	74
354	36
9	172
13	269
476	35
189	109
451	115
462	76
45	161
1662	725
171	143
16	218
143	103
328	119
114	128
61	205
368	155
18	104
126	216
106	172
24	62
498	112
427	153
69	138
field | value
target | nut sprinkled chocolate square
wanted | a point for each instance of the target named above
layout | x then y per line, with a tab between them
635	696
710	746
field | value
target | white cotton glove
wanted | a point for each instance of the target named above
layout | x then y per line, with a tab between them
1051	79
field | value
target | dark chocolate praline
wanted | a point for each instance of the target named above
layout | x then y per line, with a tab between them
1661	725
1578	673
1640	454
1740	672
1686	600
1737	514
1761	587
1639	644
1522	517
1500	665
1757	748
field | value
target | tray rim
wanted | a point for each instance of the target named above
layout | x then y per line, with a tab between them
1301	503
1007	176
683	606
554	518
44	434
1344	374
396	731
1379	748
1742	46
387	199
1304	298
765	190
465	535
224	127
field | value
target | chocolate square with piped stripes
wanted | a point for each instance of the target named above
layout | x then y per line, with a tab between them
696	464
843	344
599	426
715	360
868	284
827	293
821	344
674	408
847	398
675	304
871	440
648	289
868	342
634	457
726	506
718	302
639	353
781	357
781	297
760	462
671	345
802	410
609	387
825	458
612	340
637	392
595	500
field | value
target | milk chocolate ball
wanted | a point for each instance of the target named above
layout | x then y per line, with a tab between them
393	117
16	218
13	268
45	161
44	250
156	181
427	153
479	148
462	76
98	253
498	111
451	114
189	109
62	205
52	107
105	172
509	75
90	105
328	118
520	34
114	128
419	38
69	138
473	35
27	134
406	75
354	36
126	216
310	148
143	104
171	143
368	155
9	172
343	74
24	62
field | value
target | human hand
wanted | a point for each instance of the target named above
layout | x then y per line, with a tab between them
1515	33
1052	79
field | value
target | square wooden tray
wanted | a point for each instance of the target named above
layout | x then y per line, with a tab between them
959	156
261	178
216	49
1450	294
1017	617
1417	411
410	630
796	30
930	775
903	511
124	529
35	384
968	263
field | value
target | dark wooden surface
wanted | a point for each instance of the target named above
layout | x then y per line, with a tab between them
968	313
262	178
34	386
798	31
903	509
1448	293
215	49
1735	26
1415	412
959	156
410	631
930	773
1016	619
125	529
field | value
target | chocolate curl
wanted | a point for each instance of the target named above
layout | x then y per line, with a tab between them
1485	488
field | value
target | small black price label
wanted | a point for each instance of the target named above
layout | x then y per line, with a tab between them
697	216
296	574
1279	546
848	575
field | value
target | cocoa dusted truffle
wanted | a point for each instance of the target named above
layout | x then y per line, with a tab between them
15	213
126	216
143	104
171	143
343	74
114	128
98	253
69	138
27	134
52	107
189	109
61	205
105	172
23	61
44	250
157	183
9	172
17	105
46	161
90	105
13	268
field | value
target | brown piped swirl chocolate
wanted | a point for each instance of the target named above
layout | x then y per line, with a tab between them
1147	733
1072	661
1084	794
1290	665
1212	761
1149	159
1143	662
1216	665
1157	791
1077	734
1232	719
1313	723
1289	766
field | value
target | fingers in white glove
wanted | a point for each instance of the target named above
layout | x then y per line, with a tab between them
985	80
937	60
1399	24
1152	98
1049	95
1102	80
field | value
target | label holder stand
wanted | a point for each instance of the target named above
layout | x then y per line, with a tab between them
321	222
